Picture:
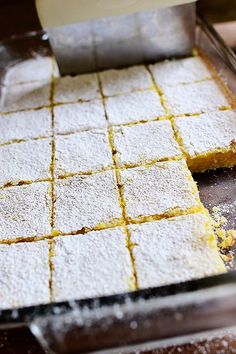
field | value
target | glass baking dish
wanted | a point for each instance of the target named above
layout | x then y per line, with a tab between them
145	319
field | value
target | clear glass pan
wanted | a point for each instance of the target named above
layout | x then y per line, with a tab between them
150	318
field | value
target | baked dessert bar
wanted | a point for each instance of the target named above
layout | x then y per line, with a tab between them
25	125
209	140
175	250
115	82
98	263
86	201
35	69
25	96
25	211
24	274
199	97
133	107
25	162
130	143
76	117
82	152
71	89
160	190
181	71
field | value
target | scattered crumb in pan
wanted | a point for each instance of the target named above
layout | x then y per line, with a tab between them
226	238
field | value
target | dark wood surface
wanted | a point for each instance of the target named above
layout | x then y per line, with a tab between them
22	342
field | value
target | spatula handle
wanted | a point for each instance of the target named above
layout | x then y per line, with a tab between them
56	13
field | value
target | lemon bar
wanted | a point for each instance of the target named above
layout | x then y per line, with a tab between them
25	96
26	161
181	71
133	107
82	152
116	82
75	117
161	189
86	201
36	69
209	140
74	88
193	98
24	274
142	143
91	265
25	211
25	125
174	250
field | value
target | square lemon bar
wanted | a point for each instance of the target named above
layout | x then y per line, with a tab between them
24	274
36	69
91	265
162	189
181	71
199	97
25	125
133	107
174	250
82	152
25	211
209	140
75	88
77	117
29	95
115	82
25	162
86	201
143	143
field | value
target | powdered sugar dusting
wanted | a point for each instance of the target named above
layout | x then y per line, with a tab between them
145	142
207	132
25	211
158	189
24	274
125	80
174	250
71	118
86	201
133	107
194	98
182	71
26	161
91	265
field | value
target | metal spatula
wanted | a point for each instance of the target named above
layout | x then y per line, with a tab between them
90	35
